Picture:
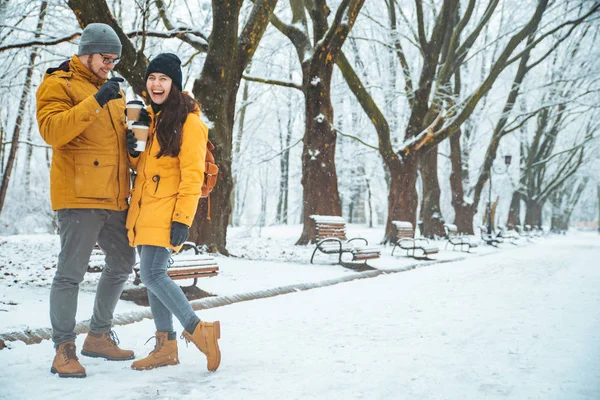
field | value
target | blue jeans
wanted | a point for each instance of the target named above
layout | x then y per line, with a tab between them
165	296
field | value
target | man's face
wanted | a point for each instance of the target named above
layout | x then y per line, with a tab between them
101	64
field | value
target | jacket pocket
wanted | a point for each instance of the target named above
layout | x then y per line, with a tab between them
158	202
163	186
96	176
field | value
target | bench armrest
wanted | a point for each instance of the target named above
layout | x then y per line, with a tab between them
330	240
405	240
359	238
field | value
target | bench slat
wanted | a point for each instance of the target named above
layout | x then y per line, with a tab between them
190	270
179	263
176	277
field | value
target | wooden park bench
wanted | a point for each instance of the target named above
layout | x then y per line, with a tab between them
405	239
508	234
96	263
187	266
330	238
538	231
489	238
524	232
181	266
456	239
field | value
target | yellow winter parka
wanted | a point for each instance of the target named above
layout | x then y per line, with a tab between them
90	168
167	189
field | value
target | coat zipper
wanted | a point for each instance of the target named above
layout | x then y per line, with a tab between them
118	156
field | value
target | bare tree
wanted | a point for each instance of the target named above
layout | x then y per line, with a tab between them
227	55
564	201
466	209
21	110
133	62
319	176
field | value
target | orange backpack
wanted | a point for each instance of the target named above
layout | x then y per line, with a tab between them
210	175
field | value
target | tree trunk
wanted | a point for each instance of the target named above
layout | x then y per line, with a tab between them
2	134
463	211
403	197
28	156
21	110
369	204
284	165
236	203
533	212
319	176
514	213
227	56
463	218
433	222
598	192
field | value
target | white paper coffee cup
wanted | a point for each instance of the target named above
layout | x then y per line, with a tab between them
140	131
140	146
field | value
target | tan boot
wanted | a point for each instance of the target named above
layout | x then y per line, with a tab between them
205	338
66	363
105	345
164	353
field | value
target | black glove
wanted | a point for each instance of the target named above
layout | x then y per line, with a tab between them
131	143
179	233
109	91
144	116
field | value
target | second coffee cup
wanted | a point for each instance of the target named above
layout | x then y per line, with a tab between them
140	131
134	108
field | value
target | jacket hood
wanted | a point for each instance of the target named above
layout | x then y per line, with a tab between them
67	68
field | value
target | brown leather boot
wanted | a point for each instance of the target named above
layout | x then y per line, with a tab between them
66	363
105	345
205	338
164	353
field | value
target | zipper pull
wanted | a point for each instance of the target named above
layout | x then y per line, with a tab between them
156	178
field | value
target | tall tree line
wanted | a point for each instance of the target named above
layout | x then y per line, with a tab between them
420	72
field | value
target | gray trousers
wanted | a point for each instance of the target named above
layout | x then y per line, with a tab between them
165	296
80	230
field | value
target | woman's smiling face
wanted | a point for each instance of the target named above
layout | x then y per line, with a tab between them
158	86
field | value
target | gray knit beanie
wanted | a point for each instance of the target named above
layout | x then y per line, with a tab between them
99	38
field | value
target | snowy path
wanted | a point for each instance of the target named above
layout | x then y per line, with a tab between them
522	323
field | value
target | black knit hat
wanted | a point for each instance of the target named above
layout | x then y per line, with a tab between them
168	64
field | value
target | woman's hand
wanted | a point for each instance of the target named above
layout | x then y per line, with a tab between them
179	233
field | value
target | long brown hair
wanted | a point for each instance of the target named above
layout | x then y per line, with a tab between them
169	125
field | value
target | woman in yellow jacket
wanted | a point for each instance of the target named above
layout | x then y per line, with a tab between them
170	172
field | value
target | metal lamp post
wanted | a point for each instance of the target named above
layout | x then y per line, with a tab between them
507	160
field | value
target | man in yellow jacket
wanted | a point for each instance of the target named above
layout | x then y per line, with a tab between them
81	115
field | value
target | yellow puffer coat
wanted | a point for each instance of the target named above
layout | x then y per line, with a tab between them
168	188
89	151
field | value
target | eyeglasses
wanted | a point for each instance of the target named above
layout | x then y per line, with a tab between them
108	60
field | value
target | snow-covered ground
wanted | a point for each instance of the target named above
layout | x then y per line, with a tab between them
518	322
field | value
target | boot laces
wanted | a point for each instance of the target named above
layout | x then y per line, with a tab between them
157	345
187	340
113	338
70	352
